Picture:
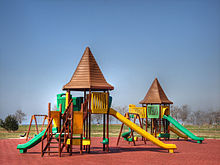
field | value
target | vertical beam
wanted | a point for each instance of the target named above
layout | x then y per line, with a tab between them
159	120
71	133
29	128
120	133
132	135
146	119
103	131
89	118
81	139
36	124
48	135
60	110
84	121
142	128
108	121
45	117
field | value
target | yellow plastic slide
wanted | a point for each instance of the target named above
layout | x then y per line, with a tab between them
139	130
178	133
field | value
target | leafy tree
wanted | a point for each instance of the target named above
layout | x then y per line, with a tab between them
20	116
10	123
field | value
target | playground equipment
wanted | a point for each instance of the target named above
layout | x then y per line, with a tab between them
71	124
129	136
34	118
156	107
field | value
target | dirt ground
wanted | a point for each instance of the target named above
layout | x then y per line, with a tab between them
188	152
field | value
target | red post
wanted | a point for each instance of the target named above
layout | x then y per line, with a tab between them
48	135
108	122
89	118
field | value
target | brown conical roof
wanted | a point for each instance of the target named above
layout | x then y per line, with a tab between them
87	75
156	95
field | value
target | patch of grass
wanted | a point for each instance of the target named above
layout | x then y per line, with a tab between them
211	132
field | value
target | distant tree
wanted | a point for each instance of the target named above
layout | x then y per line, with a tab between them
184	112
200	117
121	109
175	112
217	117
19	116
10	123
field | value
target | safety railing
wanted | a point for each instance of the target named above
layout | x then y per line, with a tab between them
141	111
99	102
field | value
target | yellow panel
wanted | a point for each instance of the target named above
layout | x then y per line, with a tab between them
139	110
77	122
85	142
166	110
99	102
56	118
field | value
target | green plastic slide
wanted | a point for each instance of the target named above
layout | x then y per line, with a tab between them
183	129
34	141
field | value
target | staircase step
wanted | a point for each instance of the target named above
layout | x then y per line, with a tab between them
50	151
53	147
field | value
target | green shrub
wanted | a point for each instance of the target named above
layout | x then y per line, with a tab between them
10	123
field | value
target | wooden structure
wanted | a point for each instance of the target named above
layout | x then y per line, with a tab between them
34	118
89	79
156	96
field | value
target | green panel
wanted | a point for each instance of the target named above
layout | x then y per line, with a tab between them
153	111
164	135
77	101
61	99
109	101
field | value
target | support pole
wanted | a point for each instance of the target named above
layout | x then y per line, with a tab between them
108	122
36	124
48	135
103	131
71	131
160	121
89	119
29	128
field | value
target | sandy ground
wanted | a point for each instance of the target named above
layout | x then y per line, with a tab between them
188	152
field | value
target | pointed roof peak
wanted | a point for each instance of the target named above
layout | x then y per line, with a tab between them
156	95
87	75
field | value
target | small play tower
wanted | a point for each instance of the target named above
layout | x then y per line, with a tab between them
157	104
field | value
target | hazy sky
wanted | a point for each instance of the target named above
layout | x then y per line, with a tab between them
42	41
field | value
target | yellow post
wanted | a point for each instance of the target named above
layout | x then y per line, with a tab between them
67	99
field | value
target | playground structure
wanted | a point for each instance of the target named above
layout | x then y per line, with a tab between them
156	107
70	125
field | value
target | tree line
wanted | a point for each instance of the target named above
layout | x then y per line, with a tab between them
184	114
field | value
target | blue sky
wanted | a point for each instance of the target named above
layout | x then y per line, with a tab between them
42	41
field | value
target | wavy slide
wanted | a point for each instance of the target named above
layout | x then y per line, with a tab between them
183	129
33	142
178	133
139	130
